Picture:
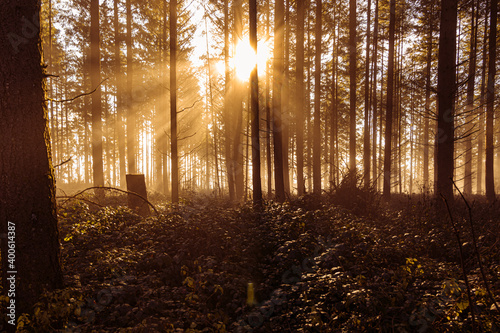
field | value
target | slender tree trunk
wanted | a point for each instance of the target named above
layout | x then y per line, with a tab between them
165	113
268	115
277	86
131	143
480	144
28	218
119	97
352	84
227	110
285	100
366	131
390	103
173	101
317	103
237	100
470	103
427	103
490	100
300	96
334	152
446	98
374	94
254	95
95	80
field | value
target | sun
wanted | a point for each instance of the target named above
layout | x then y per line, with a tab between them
245	59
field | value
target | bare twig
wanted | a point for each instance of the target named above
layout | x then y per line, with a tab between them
478	255
190	107
62	163
77	96
457	234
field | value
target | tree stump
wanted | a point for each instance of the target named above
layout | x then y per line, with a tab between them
137	184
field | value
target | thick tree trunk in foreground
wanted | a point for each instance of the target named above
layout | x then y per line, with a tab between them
27	195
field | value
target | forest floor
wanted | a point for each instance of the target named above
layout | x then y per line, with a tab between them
345	262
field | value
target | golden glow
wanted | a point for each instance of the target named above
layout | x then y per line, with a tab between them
244	60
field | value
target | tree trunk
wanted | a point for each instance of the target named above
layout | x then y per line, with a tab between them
95	80
374	94
173	101
300	96
228	123
285	98
490	100
390	103
366	131
277	85
119	97
28	218
427	105
131	148
446	98
317	103
469	104
254	95
352	84
268	115
237	104
480	144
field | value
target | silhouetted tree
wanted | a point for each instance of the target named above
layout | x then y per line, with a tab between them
446	98
28	215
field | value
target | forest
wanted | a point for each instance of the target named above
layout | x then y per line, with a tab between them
249	166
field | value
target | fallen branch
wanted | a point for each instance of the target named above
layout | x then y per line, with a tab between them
109	188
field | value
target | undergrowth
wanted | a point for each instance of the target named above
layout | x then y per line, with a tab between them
337	263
